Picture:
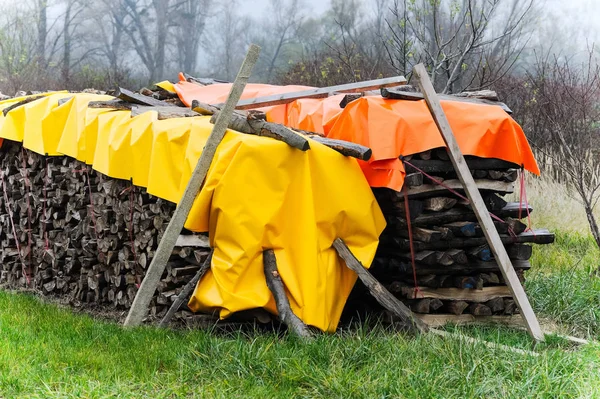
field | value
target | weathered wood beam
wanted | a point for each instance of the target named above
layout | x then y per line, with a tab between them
462	169
345	148
115	104
164	112
379	292
275	284
455	184
471	266
323	92
139	308
403	95
511	210
457	294
186	291
476	341
440	320
135	98
474	163
193	240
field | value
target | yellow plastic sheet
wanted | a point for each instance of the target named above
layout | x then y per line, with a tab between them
263	194
259	194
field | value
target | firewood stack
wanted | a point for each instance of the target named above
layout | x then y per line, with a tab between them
455	272
92	248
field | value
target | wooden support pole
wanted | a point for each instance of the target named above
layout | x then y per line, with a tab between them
187	290
286	315
379	292
478	205
139	308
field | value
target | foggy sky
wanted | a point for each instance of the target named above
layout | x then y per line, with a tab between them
575	18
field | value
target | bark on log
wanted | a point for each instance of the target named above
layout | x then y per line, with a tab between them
275	284
383	296
186	291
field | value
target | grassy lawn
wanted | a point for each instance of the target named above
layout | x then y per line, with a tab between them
49	352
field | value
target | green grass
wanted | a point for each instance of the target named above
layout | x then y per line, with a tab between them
48	352
563	284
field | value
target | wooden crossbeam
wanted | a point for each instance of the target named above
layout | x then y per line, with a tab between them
477	203
405	95
323	92
139	308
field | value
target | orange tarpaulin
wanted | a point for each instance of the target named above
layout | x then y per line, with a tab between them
391	128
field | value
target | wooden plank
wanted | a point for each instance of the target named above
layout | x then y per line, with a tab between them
404	95
139	308
440	320
538	236
470	267
323	92
379	292
481	184
476	341
474	163
164	112
457	294
462	169
192	241
135	98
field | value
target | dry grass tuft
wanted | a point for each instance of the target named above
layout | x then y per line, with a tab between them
555	207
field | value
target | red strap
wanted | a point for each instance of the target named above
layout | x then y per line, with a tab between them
410	240
523	195
440	183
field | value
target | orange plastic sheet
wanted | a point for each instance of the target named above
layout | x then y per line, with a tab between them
307	114
259	194
391	128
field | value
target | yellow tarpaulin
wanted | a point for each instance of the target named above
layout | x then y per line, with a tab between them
259	194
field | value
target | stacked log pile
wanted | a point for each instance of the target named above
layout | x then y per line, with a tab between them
455	272
80	235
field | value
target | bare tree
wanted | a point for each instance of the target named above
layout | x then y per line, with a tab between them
191	16
148	32
462	43
42	30
567	97
278	35
228	40
18	51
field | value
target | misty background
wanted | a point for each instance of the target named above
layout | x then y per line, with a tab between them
74	44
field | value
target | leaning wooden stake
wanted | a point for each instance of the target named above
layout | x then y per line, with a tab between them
379	292
187	290
477	203
139	308
286	315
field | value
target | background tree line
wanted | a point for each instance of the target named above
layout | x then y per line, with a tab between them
506	45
